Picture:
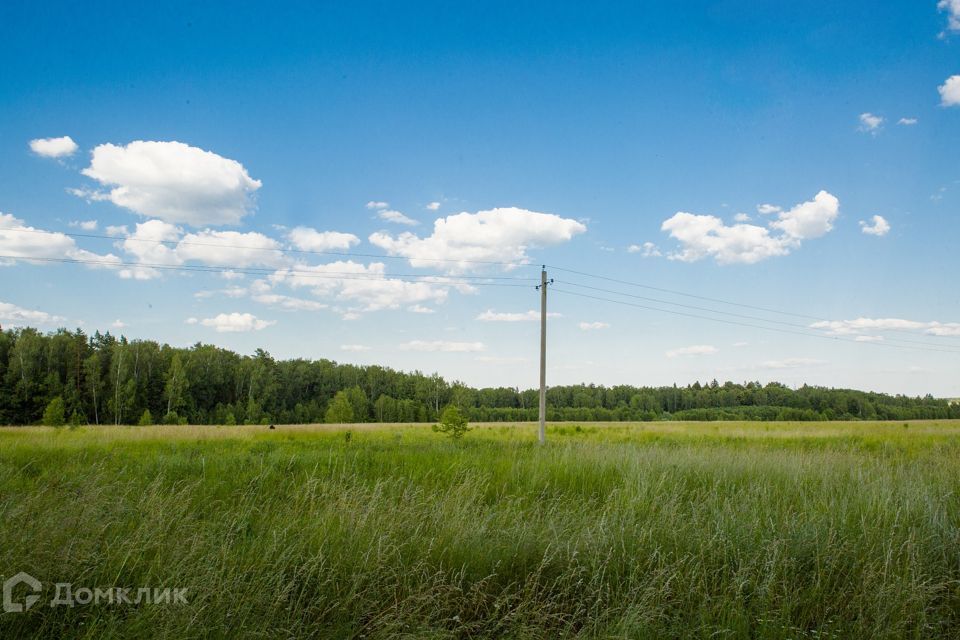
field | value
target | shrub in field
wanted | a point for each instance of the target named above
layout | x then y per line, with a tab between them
452	422
76	419
146	419
171	418
55	413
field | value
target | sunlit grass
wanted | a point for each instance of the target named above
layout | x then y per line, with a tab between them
760	530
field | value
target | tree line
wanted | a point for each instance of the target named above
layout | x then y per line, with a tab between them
71	377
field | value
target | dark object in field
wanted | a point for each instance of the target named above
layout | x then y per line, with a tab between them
272	427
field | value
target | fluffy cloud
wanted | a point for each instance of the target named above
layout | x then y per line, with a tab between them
150	244
952	8
173	181
117	231
307	239
496	235
231	248
791	363
374	204
396	217
20	241
907	122
593	326
693	350
950	92
703	236
863	325
433	206
54	147
366	286
288	303
442	345
355	347
647	250
526	316
870	123
878	226
706	236
85	225
811	219
767	209
233	322
11	314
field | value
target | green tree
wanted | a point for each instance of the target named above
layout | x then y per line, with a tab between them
146	419
340	411
452	423
55	413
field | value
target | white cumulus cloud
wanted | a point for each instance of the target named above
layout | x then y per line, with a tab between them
231	248
593	326
54	147
19	241
647	250
863	325
433	206
355	347
366	286
870	123
288	303
307	239
11	314
693	350
526	316
767	209
375	204
878	226
172	181
233	322
396	217
907	122
950	92
495	235
85	225
443	346
707	236
952	9
791	363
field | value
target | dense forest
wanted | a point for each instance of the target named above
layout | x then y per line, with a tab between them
70	377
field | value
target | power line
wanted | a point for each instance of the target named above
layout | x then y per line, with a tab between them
274	249
686	295
726	313
329	275
715	300
745	324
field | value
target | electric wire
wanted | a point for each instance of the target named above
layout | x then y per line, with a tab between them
718	300
732	314
745	324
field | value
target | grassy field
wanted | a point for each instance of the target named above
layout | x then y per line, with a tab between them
653	530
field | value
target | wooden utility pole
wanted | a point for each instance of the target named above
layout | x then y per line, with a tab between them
543	353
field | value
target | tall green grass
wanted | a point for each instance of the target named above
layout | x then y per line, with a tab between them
718	530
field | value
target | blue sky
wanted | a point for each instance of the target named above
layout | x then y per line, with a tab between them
548	132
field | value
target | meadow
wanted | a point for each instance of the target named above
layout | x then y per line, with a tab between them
610	530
